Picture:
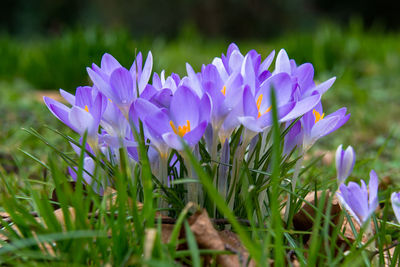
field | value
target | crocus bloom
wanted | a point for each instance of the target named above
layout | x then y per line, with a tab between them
186	119
396	204
118	83
84	115
356	199
88	166
345	160
316	124
302	76
256	108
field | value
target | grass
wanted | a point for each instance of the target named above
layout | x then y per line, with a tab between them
366	65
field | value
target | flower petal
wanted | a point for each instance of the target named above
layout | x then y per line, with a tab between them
185	106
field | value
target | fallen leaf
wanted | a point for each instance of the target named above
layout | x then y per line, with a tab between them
208	237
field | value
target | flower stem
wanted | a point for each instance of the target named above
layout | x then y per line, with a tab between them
163	167
294	182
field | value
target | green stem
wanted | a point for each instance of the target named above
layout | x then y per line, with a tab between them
163	178
294	182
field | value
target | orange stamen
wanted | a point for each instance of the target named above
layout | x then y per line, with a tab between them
86	109
258	103
182	130
223	91
318	116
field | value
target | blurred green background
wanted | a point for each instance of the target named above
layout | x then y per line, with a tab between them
46	45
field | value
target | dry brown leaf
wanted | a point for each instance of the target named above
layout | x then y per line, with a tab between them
111	193
349	235
209	238
303	219
60	216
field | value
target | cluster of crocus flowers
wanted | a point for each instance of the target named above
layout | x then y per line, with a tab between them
231	92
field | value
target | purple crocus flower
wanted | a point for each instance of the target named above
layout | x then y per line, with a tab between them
396	204
256	109
118	83
302	76
88	166
345	160
186	119
316	124
156	123
356	199
84	115
189	116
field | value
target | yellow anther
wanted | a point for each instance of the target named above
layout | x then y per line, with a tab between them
318	116
223	91
259	100
258	103
86	109
182	130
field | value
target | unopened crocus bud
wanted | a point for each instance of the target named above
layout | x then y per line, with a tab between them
345	160
396	205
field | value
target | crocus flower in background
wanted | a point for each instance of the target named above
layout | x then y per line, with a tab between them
87	175
396	204
360	202
345	160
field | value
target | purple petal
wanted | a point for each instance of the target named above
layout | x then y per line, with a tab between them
205	106
373	191
249	104
173	141
145	76
122	86
250	123
156	81
185	106
99	82
234	87
83	97
60	111
293	138
162	98
194	81
342	196
148	92
323	87
82	121
267	62
248	74
211	75
323	127
302	107
395	198
282	63
67	96
109	63
305	76
194	136
235	61
282	84
217	62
